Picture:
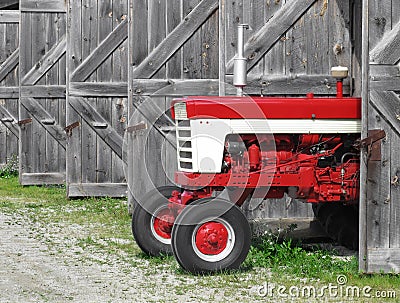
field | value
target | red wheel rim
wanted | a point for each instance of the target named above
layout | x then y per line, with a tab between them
211	238
162	222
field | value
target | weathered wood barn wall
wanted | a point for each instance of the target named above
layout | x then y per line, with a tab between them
9	91
86	70
185	48
42	92
97	97
380	190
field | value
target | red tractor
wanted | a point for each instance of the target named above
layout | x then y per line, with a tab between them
262	147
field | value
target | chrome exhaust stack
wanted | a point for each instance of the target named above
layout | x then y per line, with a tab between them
240	62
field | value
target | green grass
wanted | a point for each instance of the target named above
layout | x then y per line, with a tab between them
104	226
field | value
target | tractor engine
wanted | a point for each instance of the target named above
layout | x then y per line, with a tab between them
266	147
310	167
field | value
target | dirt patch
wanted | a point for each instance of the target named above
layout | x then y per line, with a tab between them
40	264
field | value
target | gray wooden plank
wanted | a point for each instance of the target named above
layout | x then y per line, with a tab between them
394	234
103	89
362	254
176	87
98	123
261	41
6	3
267	85
101	53
9	120
387	51
222	46
316	39
47	121
295	48
9	92
339	32
174	12
53	151
210	48
378	208
103	105
157	29
395	12
45	63
38	49
43	91
385	260
74	58
387	105
119	110
274	61
192	48
25	63
380	14
43	6
97	190
157	58
42	178
9	64
89	42
9	16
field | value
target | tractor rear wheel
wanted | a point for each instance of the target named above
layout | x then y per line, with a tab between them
340	222
152	222
211	235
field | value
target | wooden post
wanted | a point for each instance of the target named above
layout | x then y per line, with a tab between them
364	134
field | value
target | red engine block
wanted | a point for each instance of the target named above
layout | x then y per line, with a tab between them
314	168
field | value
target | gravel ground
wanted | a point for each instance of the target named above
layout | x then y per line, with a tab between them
37	264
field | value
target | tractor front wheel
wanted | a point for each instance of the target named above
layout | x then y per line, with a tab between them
152	221
210	236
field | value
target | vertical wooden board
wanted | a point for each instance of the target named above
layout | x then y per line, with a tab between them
192	50
378	190
118	105
210	48
395	12
25	63
395	195
274	60
174	16
339	33
234	17
74	58
38	48
316	37
61	26
380	16
157	29
11	43
89	43
356	38
88	150
51	78
296	61
103	105
139	30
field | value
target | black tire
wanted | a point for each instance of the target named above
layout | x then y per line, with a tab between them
152	242
197	219
340	222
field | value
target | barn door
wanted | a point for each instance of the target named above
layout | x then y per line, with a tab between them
9	90
97	97
193	55
174	51
380	204
42	92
